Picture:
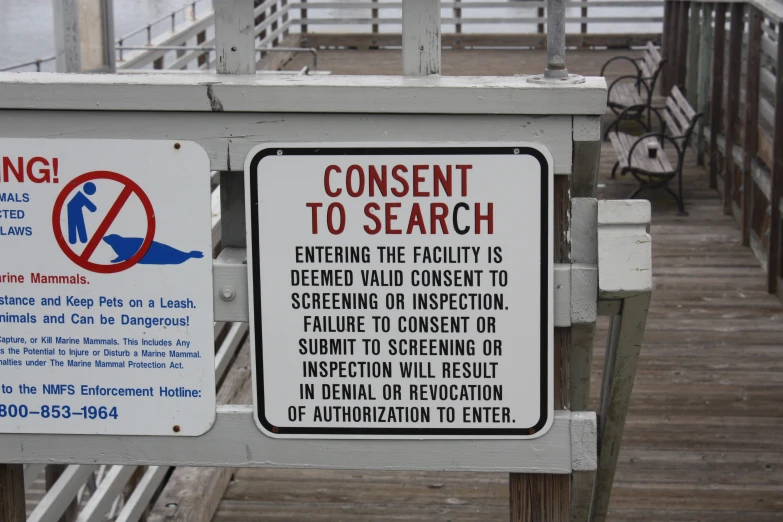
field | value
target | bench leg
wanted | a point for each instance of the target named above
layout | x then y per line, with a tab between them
614	169
681	199
636	192
678	199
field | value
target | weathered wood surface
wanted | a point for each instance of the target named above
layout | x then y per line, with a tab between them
702	441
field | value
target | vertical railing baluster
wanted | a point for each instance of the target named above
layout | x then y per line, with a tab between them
303	15
692	74
776	177
751	145
374	16
668	43
583	27
732	104
682	44
716	103
284	17
703	102
457	17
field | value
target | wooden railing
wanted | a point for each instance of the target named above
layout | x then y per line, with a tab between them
730	72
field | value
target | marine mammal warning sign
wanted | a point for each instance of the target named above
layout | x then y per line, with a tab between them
401	291
105	288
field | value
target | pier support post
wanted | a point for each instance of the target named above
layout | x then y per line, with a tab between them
751	147
732	105
235	54
716	104
537	497
84	35
776	179
12	507
421	47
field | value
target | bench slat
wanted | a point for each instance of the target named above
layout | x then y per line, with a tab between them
647	71
622	144
683	103
676	112
624	94
672	125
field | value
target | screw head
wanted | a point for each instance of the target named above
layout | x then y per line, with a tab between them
516	151
176	428
279	152
177	146
227	293
233	47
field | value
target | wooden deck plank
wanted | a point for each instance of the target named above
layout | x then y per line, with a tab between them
702	440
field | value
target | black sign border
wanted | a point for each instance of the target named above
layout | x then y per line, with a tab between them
545	332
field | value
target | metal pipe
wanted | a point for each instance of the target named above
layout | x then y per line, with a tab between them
555	40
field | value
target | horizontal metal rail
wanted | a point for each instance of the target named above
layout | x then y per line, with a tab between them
37	62
478	5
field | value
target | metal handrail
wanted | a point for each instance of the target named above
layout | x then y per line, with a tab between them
147	27
37	62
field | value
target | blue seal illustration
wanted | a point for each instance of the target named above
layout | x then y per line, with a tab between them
158	254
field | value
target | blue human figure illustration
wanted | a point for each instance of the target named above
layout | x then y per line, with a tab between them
76	207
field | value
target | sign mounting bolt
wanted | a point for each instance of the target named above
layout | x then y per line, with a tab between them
227	293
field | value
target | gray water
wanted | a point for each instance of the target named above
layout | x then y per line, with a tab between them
27	31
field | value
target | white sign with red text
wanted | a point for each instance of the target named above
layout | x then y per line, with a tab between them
401	291
106	316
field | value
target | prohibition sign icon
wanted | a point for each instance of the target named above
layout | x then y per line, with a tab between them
129	188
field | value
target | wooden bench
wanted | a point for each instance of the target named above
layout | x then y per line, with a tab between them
624	93
677	120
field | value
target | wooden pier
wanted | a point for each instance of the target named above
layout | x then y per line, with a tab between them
702	438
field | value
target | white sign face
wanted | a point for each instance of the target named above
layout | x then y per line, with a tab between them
401	291
106	288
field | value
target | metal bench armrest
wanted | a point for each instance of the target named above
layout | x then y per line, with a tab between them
627	58
639	81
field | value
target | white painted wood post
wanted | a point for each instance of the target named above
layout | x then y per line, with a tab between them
67	41
235	47
84	35
234	36
622	227
421	46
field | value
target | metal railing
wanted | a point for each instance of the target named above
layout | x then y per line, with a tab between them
151	45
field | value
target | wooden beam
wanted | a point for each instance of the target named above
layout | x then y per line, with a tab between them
716	102
752	86
776	178
52	474
12	506
537	497
732	102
